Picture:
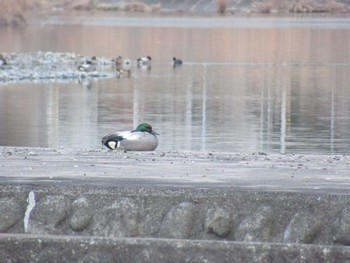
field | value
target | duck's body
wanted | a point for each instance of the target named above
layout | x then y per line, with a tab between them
177	62
122	73
143	138
121	63
145	61
2	60
87	66
127	63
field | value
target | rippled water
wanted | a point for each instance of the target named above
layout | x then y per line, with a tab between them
247	85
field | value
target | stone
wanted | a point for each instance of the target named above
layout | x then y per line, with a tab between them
343	235
218	222
182	221
258	226
120	219
11	213
304	227
48	213
81	214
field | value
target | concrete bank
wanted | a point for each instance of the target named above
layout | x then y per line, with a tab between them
94	249
172	206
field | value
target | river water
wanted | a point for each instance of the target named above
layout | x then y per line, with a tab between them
253	84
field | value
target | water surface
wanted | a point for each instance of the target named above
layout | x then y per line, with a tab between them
247	84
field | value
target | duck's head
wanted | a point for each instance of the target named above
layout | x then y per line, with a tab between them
145	127
2	58
119	60
149	58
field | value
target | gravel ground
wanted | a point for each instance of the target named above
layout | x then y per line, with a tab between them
255	172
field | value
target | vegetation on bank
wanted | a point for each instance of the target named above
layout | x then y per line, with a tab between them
13	12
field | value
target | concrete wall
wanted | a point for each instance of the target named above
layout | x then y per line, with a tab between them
212	214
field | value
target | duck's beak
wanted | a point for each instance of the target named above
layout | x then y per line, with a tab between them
155	133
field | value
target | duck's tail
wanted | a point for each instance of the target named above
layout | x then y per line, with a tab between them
111	141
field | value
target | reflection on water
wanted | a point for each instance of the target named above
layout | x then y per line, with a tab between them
240	90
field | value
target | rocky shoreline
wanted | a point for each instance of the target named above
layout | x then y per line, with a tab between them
52	66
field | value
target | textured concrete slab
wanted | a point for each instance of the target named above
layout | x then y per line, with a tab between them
94	249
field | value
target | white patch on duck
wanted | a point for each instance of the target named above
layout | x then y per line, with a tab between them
144	61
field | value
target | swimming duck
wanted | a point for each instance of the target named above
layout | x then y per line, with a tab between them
2	60
144	61
143	138
87	66
177	62
127	63
120	62
122	73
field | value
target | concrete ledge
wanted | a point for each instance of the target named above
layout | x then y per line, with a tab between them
59	205
178	213
41	248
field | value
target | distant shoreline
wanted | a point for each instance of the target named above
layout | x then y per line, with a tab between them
20	13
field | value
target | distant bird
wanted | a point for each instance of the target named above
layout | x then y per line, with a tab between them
123	73
119	62
2	60
127	63
87	66
144	61
177	62
143	138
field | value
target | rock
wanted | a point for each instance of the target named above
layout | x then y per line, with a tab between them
182	221
121	219
10	213
51	66
81	214
257	226
343	236
304	227
218	222
48	213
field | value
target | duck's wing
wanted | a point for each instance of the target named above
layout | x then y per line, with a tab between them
139	141
112	140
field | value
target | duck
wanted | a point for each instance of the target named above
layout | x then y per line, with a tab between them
123	73
144	61
143	138
120	62
177	62
2	60
87	66
127	63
